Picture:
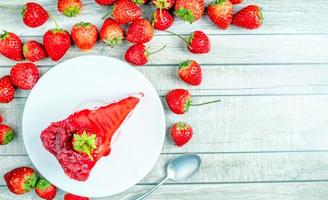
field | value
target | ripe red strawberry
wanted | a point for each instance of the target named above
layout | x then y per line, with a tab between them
69	8
181	133
236	1
34	15
24	75
190	72
105	2
138	54
249	17
11	46
190	11
69	196
198	42
140	2
161	19
84	35
56	42
220	12
111	33
179	101
45	190
126	11
140	31
7	90
163	4
6	134
21	180
34	51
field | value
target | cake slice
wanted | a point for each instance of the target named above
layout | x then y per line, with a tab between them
81	139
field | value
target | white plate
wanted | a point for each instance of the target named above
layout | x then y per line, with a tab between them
71	86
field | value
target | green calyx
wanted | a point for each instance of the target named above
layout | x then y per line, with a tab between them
185	64
261	16
162	4
190	38
182	126
4	35
83	24
187	105
29	182
84	143
138	2
24	10
8	136
57	30
112	42
185	14
72	11
219	2
43	184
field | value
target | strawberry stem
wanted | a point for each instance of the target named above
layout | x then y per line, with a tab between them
107	15
179	36
54	20
209	102
163	47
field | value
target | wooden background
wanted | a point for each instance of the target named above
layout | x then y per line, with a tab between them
267	139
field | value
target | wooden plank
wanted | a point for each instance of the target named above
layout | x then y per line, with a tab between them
230	168
237	124
226	49
269	191
235	79
292	17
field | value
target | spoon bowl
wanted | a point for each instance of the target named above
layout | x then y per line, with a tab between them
183	167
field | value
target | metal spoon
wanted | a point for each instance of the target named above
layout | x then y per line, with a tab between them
178	169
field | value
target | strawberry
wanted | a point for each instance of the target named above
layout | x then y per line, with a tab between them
56	42
126	11
6	134
69	196
111	33
140	2
84	35
24	75
11	46
198	42
34	15
138	54
45	190
69	8
34	51
236	1
163	4
181	133
179	101
7	90
21	180
105	2
189	10
249	17
161	19
220	12
190	72
140	31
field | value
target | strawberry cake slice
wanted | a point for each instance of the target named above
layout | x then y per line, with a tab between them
81	139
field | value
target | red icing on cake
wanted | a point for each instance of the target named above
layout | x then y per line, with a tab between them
101	123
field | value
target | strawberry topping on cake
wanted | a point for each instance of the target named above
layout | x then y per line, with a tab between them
81	139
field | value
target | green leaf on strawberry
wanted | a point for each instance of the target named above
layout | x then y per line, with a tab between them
84	143
185	14
29	182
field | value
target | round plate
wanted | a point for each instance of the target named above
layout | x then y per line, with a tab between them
85	82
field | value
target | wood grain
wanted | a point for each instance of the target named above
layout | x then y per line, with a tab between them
226	49
235	79
230	168
267	191
288	17
233	125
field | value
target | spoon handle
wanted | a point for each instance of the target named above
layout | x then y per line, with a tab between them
151	190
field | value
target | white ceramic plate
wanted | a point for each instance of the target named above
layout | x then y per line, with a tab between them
85	82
